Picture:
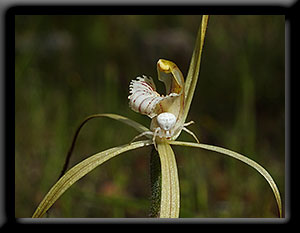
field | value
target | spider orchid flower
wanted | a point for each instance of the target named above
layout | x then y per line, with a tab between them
167	111
168	114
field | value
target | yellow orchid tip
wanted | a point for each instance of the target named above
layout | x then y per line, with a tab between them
164	65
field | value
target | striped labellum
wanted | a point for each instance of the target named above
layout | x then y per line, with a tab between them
143	98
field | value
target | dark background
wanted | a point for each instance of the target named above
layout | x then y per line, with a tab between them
69	67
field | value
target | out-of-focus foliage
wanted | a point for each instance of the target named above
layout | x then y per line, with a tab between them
69	67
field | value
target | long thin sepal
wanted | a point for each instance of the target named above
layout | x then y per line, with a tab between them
193	73
170	196
242	158
80	170
140	128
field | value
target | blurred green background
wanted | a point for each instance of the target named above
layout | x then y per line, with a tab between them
69	67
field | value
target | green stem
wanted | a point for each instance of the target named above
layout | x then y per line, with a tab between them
155	179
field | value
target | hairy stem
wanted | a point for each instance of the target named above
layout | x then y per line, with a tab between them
155	179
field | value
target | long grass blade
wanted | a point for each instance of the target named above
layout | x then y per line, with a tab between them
80	170
170	196
242	158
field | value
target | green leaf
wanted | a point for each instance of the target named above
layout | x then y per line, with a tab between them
242	158
193	73
80	170
170	193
